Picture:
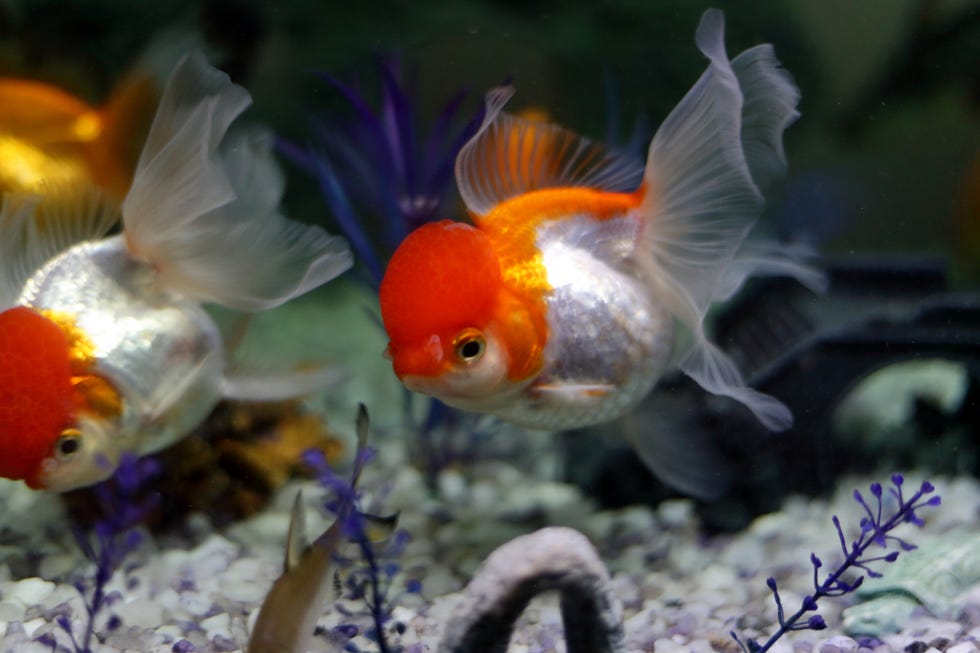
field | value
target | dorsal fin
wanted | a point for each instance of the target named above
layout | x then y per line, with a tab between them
296	543
36	227
203	208
509	156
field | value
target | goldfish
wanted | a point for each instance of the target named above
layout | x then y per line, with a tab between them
105	346
47	134
586	275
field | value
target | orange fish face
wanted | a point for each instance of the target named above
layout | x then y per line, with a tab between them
464	371
439	299
36	398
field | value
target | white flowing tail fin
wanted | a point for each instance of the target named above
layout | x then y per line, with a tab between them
203	207
705	168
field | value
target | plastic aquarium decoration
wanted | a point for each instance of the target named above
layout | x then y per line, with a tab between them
875	530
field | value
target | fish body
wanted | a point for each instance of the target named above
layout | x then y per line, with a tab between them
139	362
161	355
48	134
585	274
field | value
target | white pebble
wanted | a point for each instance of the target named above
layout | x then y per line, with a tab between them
440	581
196	604
57	565
675	513
31	591
246	581
141	613
219	624
12	611
452	487
963	647
30	627
837	644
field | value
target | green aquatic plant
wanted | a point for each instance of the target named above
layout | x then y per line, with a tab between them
876	530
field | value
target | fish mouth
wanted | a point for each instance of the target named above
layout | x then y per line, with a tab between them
422	384
434	387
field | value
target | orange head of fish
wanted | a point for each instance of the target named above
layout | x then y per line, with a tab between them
36	397
440	299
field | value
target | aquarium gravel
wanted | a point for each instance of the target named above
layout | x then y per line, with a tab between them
681	589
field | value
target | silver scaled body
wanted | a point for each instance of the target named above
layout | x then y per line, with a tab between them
609	337
162	354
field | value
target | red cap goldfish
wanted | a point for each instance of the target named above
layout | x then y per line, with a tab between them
586	275
104	345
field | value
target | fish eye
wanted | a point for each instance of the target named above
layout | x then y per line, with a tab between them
68	444
469	345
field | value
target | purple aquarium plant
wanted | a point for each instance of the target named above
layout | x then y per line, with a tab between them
371	571
125	501
875	531
382	172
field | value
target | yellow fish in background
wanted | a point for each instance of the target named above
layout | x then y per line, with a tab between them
49	136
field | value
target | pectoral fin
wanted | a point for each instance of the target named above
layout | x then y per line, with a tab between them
279	386
572	393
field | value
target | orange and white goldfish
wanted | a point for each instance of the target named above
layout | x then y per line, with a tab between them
49	135
585	275
104	345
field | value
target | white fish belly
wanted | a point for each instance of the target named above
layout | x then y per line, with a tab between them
609	339
162	354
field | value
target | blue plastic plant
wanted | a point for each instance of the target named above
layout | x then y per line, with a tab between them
382	174
124	502
875	530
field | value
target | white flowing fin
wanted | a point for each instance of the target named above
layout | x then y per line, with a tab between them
509	156
36	227
763	257
279	386
674	443
203	208
701	199
769	106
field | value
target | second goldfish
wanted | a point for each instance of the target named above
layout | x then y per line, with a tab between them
586	276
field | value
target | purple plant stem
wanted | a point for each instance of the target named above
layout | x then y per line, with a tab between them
832	585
